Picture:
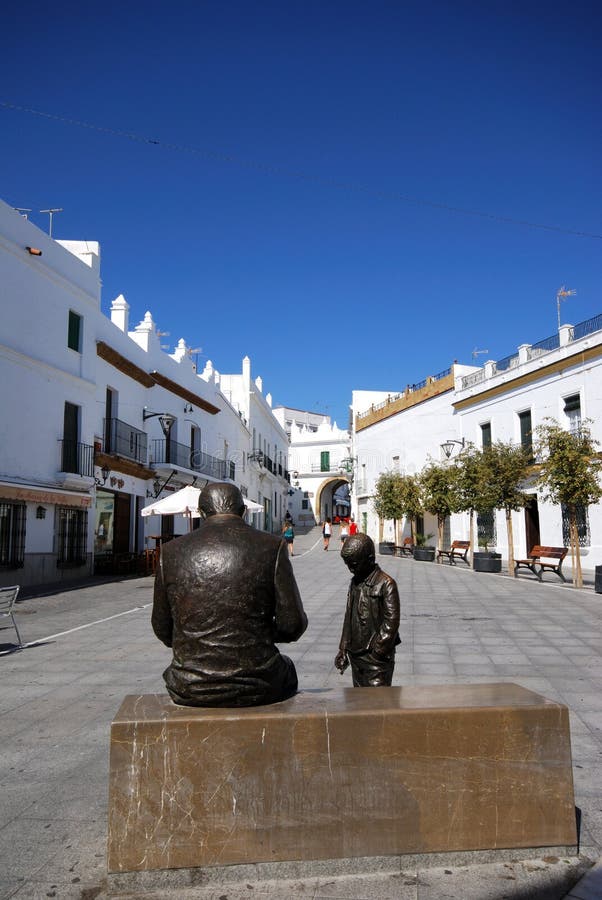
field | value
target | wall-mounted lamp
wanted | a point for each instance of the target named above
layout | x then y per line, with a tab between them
41	512
158	487
105	471
295	474
166	420
448	446
188	408
33	251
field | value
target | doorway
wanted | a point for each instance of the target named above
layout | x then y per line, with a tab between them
532	537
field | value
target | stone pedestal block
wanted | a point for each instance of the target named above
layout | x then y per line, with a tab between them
337	774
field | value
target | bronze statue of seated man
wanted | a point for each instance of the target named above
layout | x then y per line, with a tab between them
225	595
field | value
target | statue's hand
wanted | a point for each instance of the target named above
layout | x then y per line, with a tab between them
341	662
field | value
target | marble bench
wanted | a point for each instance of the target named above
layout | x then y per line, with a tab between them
348	772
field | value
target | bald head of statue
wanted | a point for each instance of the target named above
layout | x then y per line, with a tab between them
220	498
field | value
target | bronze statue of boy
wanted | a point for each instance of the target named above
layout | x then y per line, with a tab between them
371	624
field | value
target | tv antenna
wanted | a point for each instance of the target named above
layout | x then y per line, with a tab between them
21	209
194	351
561	295
476	352
51	212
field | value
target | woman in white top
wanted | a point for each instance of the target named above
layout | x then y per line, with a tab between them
344	529
326	532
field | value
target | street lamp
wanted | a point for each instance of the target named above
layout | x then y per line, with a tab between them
448	446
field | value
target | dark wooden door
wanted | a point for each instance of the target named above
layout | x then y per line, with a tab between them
121	526
532	524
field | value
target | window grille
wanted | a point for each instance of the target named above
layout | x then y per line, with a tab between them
72	537
582	526
486	528
12	535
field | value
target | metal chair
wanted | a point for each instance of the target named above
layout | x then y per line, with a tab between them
8	598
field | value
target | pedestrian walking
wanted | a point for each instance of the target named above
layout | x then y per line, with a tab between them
344	530
327	532
288	533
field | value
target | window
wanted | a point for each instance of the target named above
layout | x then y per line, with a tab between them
305	504
70	438
396	464
486	529
486	434
526	433
72	537
582	526
572	410
74	333
325	461
12	534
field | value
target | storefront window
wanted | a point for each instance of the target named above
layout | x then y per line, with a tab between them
105	517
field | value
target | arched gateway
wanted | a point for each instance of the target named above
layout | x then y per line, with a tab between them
332	498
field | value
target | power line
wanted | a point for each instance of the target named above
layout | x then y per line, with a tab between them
301	176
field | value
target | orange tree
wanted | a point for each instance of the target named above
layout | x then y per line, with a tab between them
504	469
569	475
387	500
411	500
468	476
439	496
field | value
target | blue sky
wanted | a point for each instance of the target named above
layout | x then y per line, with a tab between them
299	204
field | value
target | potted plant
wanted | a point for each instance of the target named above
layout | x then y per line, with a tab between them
422	550
485	560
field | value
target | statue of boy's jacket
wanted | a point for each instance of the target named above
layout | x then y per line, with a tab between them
225	594
371	621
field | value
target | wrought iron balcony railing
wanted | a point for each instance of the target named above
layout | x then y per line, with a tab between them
125	440
166	451
76	458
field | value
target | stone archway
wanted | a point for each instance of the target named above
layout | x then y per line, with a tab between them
325	494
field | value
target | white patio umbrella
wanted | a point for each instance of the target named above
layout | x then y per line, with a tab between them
186	502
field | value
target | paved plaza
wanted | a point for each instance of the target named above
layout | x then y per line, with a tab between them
91	645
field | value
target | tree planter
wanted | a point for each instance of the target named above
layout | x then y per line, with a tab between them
487	562
386	548
424	554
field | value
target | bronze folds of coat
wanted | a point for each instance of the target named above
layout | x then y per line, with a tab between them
224	596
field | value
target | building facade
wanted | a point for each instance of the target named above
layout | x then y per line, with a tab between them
559	378
319	465
97	420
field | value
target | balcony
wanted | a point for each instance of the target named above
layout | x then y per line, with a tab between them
125	440
76	458
76	465
168	452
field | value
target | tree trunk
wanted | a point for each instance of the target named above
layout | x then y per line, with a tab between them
471	533
510	543
440	527
413	530
395	534
575	549
381	526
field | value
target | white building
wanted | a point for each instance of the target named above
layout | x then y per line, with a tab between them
319	463
559	377
96	420
400	432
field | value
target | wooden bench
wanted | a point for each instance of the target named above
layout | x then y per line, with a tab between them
534	559
458	550
406	547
